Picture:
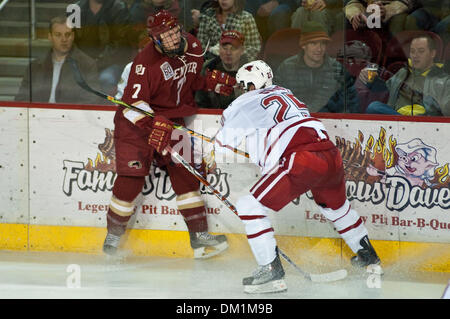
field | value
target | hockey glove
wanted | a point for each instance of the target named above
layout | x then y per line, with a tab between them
161	132
219	82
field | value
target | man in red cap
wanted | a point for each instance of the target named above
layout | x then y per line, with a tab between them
231	58
162	80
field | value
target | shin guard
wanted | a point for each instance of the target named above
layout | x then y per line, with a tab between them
192	208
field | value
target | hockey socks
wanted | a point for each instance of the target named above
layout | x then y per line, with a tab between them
121	208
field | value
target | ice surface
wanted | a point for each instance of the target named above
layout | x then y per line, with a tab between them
49	275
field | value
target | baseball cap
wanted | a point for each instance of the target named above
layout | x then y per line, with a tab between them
232	36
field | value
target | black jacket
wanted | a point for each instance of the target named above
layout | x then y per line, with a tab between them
37	81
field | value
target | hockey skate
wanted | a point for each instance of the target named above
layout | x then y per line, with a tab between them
266	279
367	257
111	243
206	245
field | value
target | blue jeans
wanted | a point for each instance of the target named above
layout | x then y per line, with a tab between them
421	19
380	108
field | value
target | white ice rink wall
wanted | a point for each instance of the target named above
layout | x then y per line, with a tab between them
56	175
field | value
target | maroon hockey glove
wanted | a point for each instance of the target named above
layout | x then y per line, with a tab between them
159	137
219	82
223	89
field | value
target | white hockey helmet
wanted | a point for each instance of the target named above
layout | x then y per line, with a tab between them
257	73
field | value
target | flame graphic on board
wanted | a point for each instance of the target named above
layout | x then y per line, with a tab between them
101	163
380	153
106	161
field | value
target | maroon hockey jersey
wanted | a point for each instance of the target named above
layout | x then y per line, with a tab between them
167	84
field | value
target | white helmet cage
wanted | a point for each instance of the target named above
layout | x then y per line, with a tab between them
257	73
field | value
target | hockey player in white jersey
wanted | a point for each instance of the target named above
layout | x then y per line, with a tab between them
295	155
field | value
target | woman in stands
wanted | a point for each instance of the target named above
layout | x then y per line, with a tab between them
228	15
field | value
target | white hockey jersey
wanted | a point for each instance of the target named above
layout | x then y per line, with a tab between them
268	119
123	81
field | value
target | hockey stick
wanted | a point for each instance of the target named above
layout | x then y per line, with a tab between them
325	277
82	83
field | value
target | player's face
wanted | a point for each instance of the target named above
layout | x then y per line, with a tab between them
171	39
62	38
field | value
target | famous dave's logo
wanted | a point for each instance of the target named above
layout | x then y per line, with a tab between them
100	174
399	174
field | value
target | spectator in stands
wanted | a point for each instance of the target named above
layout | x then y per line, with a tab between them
141	9
433	15
271	15
393	13
196	11
229	15
317	79
425	17
104	37
317	10
231	58
443	26
421	88
50	80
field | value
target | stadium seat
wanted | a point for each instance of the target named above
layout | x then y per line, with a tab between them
281	45
446	57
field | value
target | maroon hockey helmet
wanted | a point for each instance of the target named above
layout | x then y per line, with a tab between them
160	22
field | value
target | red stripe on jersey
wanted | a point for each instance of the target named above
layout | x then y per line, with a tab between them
282	133
259	233
271	179
358	222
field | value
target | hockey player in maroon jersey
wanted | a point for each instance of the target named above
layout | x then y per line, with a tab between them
162	79
295	155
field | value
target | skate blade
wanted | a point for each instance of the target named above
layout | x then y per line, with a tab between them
119	257
374	269
330	276
269	287
208	252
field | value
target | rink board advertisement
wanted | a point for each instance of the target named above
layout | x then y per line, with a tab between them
58	169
